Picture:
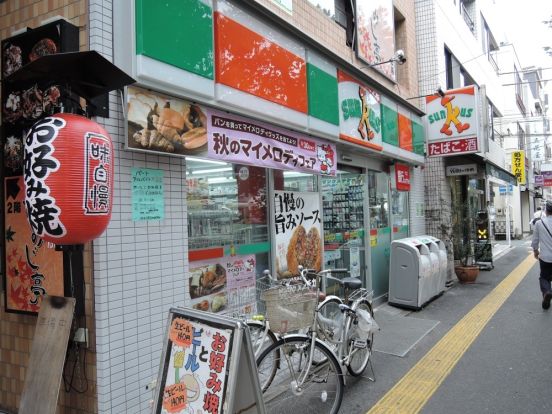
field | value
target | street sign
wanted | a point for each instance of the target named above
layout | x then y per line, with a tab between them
503	189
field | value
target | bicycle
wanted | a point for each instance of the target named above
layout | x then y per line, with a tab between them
259	327
308	376
348	325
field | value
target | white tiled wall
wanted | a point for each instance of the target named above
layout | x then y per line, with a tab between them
416	195
139	266
431	72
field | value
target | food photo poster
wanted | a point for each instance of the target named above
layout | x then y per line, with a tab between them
298	230
224	285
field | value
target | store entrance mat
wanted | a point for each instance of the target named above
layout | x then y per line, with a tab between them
399	332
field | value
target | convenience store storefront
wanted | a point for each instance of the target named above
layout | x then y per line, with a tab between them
349	167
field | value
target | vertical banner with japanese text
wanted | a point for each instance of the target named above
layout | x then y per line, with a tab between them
400	177
33	267
518	166
297	229
376	34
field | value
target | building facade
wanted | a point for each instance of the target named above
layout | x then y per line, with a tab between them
457	61
252	127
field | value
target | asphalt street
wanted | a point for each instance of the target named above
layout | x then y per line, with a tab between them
505	370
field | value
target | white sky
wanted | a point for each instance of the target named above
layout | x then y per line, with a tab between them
520	22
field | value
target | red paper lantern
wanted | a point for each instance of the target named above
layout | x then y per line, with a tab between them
68	179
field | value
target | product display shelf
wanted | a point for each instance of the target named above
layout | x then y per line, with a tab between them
344	211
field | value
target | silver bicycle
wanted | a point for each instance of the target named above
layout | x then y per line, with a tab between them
299	373
348	324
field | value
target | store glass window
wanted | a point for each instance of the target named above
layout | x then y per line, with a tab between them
378	198
228	238
399	214
297	222
295	181
343	200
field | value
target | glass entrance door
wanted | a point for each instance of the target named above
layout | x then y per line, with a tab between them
343	201
380	230
399	214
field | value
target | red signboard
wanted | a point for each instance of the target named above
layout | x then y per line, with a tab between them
402	177
33	267
453	147
546	179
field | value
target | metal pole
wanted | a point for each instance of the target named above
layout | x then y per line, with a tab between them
508	236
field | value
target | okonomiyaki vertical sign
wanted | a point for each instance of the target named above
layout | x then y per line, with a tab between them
297	229
236	139
33	267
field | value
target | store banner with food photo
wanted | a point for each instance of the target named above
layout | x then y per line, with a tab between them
164	124
297	230
33	267
359	113
225	284
195	368
236	139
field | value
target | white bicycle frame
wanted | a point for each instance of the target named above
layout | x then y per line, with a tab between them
340	344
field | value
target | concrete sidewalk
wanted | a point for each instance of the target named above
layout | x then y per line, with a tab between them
457	300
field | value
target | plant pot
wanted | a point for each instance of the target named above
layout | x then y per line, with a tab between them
466	274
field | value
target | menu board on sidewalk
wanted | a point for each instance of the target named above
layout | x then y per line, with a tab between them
202	356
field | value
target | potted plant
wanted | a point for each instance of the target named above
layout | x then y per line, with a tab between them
463	232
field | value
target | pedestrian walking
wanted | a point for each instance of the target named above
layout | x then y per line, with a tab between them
542	249
536	217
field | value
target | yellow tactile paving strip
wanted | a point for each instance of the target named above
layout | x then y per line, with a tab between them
415	389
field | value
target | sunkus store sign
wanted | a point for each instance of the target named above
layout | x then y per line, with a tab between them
465	169
451	122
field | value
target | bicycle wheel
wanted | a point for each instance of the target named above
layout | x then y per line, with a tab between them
321	391
359	350
330	320
261	338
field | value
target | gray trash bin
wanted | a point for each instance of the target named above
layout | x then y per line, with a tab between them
443	263
411	277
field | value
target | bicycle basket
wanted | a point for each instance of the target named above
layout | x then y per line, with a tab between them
245	302
290	308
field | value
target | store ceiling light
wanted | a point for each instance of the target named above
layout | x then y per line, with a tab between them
220	180
211	170
205	161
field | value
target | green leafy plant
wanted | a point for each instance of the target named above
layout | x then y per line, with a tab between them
463	232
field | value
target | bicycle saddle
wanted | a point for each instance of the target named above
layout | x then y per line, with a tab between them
351	283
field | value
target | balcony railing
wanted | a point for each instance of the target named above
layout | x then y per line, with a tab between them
467	18
492	61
